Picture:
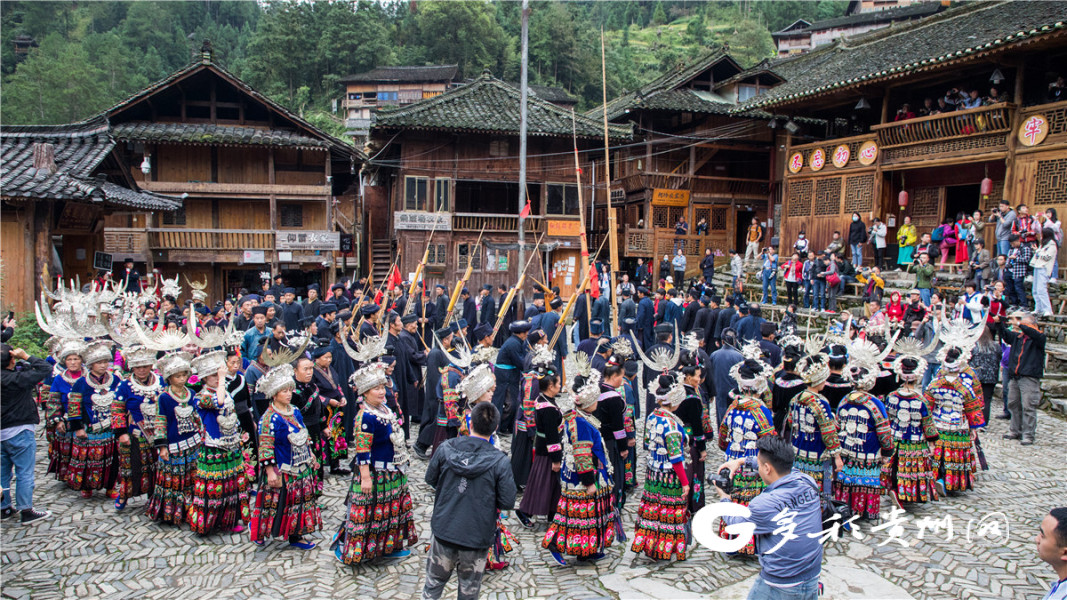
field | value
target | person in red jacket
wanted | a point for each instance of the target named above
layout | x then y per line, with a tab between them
895	309
793	270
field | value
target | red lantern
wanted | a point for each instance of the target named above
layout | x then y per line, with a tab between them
902	199
987	187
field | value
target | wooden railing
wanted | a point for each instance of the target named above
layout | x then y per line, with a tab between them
958	124
494	222
697	184
234	189
211	239
1056	115
127	242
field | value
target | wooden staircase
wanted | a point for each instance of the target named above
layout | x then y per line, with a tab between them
381	256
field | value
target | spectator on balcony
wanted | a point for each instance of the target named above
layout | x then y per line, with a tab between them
753	239
995	97
973	100
679	268
1057	90
835	245
929	108
680	228
802	244
702	226
954	99
904	113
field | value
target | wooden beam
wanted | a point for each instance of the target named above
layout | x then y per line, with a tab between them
1016	121
885	107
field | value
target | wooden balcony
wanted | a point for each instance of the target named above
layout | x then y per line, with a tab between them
210	239
235	190
495	222
963	133
131	243
697	184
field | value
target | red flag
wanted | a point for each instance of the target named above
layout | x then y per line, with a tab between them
525	212
394	278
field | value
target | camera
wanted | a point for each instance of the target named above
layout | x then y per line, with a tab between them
723	481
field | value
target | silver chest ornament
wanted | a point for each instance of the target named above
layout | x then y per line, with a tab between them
187	421
299	447
102	408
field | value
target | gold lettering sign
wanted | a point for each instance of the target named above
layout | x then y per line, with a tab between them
796	162
662	197
1033	131
818	160
564	228
841	156
868	153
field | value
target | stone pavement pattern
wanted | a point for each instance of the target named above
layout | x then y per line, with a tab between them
87	550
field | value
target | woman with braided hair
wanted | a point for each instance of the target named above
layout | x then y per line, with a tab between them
811	426
584	521
663	516
908	476
747	419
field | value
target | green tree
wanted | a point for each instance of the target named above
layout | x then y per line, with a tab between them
750	43
659	16
57	83
464	32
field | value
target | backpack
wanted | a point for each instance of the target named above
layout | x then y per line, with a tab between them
938	233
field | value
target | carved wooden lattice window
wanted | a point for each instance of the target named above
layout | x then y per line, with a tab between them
799	198
828	196
698	214
1057	121
859	193
924	202
661	217
1050	183
718	218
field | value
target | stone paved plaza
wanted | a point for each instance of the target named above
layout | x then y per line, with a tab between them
87	550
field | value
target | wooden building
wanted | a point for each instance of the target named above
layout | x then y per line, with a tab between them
366	92
58	183
450	165
860	17
862	157
264	190
697	156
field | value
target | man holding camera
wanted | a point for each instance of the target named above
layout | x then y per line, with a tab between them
18	413
790	557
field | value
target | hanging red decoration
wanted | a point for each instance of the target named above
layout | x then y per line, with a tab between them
987	188
902	199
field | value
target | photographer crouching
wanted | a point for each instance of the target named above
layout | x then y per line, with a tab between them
18	414
790	557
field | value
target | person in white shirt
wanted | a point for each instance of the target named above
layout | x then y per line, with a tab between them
878	233
1052	548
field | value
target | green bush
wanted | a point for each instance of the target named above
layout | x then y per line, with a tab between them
29	336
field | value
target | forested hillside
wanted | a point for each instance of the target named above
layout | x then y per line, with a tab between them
88	55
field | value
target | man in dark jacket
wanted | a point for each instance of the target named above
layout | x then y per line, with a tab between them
19	419
707	265
1026	367
748	328
723	319
689	313
508	372
487	311
470	309
472	481
719	364
644	330
435	361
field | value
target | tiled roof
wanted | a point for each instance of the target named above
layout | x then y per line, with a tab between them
669	82
337	146
912	11
79	150
918	45
492	106
208	134
404	74
553	94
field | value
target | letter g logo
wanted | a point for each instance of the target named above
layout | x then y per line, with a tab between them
706	532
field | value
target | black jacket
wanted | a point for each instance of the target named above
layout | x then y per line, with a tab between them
16	393
857	232
472	480
1027	357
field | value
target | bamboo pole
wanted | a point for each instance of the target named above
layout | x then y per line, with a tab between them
466	277
581	217
613	247
506	303
408	306
570	304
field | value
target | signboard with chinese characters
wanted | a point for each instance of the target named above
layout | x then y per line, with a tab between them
423	221
661	197
565	228
868	153
818	159
307	240
1033	131
796	162
253	257
841	155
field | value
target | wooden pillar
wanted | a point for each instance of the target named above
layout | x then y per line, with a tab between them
41	217
885	107
150	259
273	213
1016	121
